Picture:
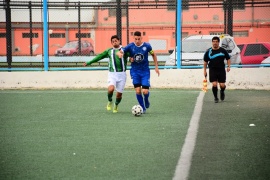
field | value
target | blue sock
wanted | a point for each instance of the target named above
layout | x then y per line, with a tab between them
140	100
146	96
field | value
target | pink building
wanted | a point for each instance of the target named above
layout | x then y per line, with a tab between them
154	19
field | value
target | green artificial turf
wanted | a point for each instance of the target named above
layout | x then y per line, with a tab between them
227	146
68	134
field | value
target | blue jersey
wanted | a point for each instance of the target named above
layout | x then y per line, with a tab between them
139	54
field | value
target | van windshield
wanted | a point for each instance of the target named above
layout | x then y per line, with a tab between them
196	45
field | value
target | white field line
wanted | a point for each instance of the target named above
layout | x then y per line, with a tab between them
184	162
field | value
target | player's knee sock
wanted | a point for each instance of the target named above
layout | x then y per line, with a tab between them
117	101
110	96
223	89
146	96
214	90
140	100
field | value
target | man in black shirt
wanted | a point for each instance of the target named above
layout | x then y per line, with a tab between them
214	58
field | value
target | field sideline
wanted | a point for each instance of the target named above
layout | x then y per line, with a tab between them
68	134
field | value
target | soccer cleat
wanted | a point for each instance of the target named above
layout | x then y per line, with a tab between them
147	104
222	95
216	100
115	108
109	105
144	111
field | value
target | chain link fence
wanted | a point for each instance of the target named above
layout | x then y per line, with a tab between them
79	30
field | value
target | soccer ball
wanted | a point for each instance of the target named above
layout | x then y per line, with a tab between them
137	110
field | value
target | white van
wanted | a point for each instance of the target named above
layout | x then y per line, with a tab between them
194	47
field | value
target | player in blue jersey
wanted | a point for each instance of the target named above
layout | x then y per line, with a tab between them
214	58
117	71
140	71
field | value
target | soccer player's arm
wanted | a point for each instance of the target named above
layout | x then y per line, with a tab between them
121	52
126	56
155	60
205	62
227	56
99	57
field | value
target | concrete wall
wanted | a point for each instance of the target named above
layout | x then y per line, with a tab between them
237	78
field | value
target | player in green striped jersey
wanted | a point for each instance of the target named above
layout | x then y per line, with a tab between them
117	72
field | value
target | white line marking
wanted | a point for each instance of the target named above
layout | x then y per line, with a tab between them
184	162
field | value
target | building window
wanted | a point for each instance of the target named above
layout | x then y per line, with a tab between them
83	35
184	35
240	33
2	35
112	12
28	35
132	33
185	4
235	33
236	4
171	5
57	35
216	33
239	4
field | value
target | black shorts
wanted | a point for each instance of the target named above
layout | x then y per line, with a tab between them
217	74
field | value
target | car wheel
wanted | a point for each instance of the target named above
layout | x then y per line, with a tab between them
240	65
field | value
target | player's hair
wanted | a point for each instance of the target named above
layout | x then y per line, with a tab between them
137	33
215	38
115	37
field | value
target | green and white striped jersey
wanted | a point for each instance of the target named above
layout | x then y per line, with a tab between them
116	64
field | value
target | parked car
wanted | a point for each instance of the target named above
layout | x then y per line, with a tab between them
254	53
194	47
266	61
71	48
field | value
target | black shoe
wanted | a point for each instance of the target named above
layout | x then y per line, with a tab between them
222	95
216	100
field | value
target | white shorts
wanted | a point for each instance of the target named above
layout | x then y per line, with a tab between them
118	79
